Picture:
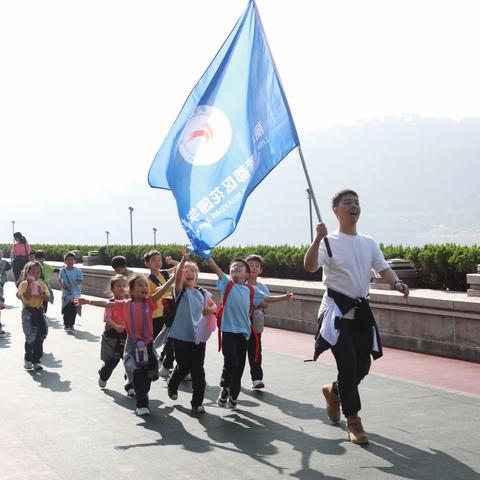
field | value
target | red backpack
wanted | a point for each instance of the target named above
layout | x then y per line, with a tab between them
230	285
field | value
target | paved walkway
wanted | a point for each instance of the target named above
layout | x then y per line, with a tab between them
422	414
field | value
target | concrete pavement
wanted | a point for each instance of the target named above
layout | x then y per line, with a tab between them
58	424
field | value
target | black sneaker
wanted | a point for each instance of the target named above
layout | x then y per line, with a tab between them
223	397
171	393
232	403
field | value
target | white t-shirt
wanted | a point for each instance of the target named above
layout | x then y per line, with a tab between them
349	269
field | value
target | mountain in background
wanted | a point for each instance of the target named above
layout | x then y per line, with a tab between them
418	180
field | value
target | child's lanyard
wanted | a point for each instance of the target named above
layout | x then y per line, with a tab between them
67	277
144	320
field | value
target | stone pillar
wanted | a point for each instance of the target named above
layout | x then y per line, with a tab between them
93	258
405	272
473	280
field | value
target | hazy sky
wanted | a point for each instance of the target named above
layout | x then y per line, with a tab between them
89	90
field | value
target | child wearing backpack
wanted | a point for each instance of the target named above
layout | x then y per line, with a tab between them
135	314
192	305
255	262
239	300
157	278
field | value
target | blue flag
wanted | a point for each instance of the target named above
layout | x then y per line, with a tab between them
234	128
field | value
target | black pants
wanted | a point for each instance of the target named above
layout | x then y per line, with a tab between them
34	350
111	351
256	371
352	354
17	266
69	312
234	349
142	379
190	358
167	356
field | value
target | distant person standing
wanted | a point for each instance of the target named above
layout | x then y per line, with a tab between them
346	323
19	254
70	279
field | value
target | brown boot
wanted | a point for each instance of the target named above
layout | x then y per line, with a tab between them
356	433
333	403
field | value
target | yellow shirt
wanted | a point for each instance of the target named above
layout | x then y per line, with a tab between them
37	300
158	312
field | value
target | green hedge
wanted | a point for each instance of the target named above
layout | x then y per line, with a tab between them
440	266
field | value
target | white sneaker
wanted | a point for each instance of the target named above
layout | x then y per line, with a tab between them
187	377
102	383
28	365
257	385
142	412
37	366
163	372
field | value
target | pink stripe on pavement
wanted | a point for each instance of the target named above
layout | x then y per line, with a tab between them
440	372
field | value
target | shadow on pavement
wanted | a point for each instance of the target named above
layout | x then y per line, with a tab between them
292	408
170	429
51	380
408	461
5	341
254	436
84	335
54	323
121	399
49	360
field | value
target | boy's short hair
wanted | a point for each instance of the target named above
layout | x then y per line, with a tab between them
69	254
39	254
150	254
337	198
255	258
119	262
241	260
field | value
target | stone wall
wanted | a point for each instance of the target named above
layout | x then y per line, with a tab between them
434	322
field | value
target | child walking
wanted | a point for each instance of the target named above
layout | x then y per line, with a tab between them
70	279
32	291
114	335
120	267
255	262
157	278
135	314
47	271
238	302
193	305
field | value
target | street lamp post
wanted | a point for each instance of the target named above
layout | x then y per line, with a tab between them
13	227
309	196
154	236
131	226
107	233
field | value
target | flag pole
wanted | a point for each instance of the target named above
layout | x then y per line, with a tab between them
307	176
